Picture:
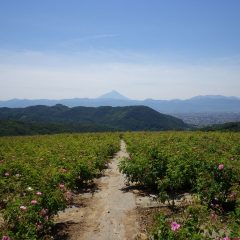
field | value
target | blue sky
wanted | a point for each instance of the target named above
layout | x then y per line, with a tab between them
144	49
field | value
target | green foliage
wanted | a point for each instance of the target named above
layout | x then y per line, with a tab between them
23	128
188	230
38	176
204	164
218	187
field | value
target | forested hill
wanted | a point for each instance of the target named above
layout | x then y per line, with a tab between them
20	128
80	119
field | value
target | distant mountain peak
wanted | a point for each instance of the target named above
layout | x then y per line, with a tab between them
113	95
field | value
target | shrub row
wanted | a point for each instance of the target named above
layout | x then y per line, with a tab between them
206	165
39	174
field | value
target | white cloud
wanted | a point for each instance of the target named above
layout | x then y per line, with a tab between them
90	74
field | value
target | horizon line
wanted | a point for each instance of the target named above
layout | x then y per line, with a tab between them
119	99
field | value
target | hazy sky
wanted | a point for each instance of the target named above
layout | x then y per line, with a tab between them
158	49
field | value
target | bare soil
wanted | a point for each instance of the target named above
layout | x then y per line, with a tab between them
112	209
106	214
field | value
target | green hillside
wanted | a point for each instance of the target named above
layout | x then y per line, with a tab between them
59	118
20	128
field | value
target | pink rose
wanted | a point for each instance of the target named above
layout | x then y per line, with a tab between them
220	166
38	193
34	202
175	226
61	186
23	208
6	238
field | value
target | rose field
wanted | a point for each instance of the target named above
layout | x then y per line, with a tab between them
205	165
39	175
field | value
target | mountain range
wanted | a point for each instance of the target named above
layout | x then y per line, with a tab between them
198	104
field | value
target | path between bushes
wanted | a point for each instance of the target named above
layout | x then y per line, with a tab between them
107	214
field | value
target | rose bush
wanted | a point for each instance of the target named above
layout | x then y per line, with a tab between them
206	165
39	174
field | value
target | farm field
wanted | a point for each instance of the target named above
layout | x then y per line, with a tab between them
204	165
120	120
40	175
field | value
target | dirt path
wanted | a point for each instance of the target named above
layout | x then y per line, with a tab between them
110	213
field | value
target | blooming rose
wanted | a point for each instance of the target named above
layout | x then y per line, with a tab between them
23	208
6	238
34	202
220	166
175	226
